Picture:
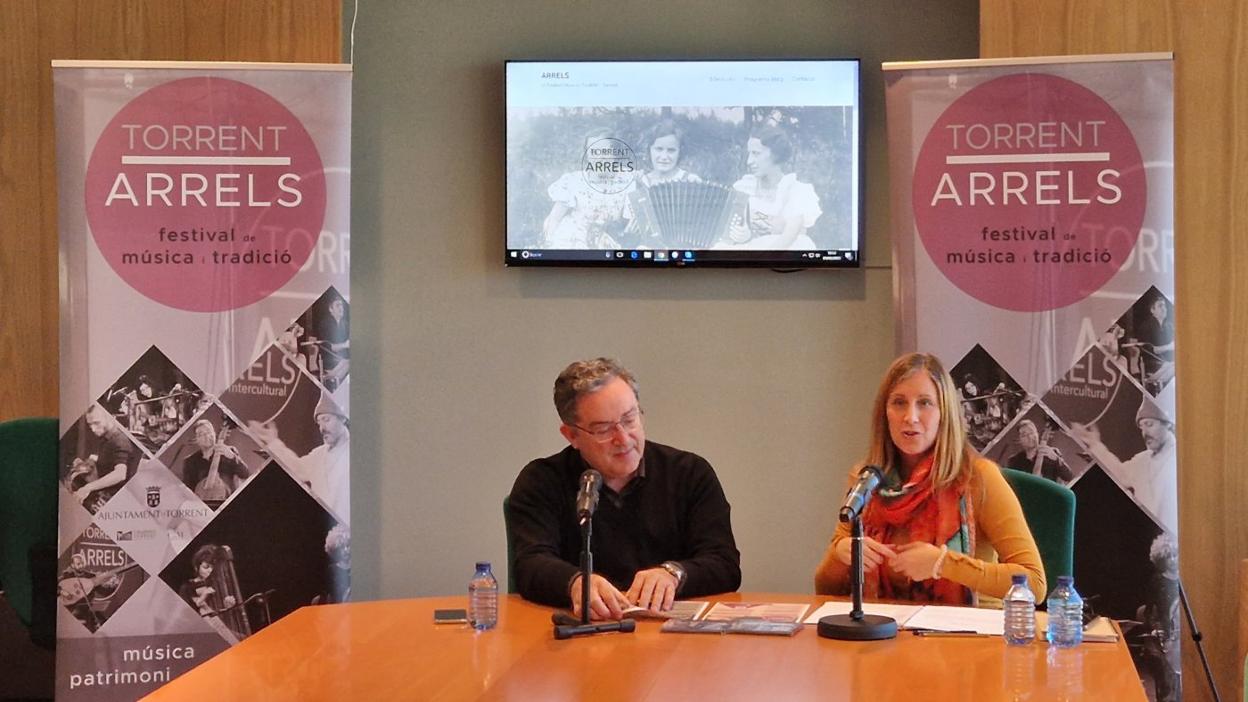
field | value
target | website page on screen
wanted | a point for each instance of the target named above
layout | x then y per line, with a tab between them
677	163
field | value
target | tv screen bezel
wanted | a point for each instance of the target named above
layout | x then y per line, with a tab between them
635	258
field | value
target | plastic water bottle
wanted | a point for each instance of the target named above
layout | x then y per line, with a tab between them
1065	614
483	598
1020	613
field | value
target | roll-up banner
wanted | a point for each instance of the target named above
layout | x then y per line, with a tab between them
1032	205
205	361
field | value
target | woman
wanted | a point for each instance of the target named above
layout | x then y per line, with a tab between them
663	148
198	591
781	208
582	214
940	505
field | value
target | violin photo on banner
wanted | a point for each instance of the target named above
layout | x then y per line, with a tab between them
213	457
1038	444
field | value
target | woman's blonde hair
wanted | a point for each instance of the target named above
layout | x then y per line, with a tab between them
952	455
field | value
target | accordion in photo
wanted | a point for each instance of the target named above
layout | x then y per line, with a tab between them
686	215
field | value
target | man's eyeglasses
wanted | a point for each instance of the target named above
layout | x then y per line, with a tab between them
602	432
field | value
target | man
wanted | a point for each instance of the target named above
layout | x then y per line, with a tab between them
196	468
1160	615
662	527
326	469
333	340
1045	461
1148	476
1156	334
116	462
338	550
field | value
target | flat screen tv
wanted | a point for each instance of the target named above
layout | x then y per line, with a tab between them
658	164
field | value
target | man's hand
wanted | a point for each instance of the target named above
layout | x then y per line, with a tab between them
1047	451
605	602
1087	433
653	589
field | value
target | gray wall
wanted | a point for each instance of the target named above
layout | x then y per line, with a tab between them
767	375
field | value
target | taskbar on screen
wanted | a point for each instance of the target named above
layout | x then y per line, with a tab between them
682	258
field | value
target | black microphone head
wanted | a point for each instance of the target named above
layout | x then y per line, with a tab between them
587	498
869	478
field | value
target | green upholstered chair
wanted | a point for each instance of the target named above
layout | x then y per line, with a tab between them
511	546
1049	509
28	506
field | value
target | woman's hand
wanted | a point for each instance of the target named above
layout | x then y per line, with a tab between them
873	553
761	223
915	560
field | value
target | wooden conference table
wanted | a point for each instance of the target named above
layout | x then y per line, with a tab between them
392	650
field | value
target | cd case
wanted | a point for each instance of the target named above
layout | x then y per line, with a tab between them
744	625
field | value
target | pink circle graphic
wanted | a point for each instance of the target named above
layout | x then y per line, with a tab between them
205	194
1029	192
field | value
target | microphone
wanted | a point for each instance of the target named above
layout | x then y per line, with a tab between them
587	499
860	494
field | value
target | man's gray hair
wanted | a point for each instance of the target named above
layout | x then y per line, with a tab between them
581	378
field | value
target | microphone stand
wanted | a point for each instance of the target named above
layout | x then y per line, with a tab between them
567	626
857	626
1198	637
587	564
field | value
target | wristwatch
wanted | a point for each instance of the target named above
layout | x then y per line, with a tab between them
677	571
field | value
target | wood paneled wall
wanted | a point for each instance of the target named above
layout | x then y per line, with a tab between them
32	34
1210	43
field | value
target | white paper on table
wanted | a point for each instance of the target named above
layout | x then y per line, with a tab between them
900	613
945	618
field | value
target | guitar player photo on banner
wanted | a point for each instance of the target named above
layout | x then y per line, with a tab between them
96	578
98	455
204	218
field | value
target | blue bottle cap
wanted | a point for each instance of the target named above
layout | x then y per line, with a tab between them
1019	579
483	565
1065	579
